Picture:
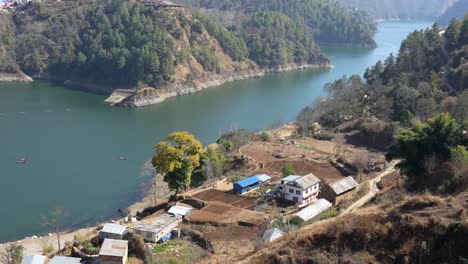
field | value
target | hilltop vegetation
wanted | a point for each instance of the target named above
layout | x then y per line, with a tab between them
401	9
326	21
428	76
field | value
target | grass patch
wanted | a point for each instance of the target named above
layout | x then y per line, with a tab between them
166	246
235	178
329	214
307	148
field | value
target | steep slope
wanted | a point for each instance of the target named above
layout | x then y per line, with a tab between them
457	10
327	21
7	45
419	229
428	76
115	43
401	9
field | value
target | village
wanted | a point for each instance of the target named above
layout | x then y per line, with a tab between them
232	215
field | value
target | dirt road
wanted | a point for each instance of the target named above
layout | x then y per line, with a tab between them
373	190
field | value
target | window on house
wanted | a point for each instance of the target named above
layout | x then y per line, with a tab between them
295	199
298	192
281	187
148	235
291	190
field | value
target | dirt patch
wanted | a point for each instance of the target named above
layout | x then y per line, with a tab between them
324	171
248	203
232	233
218	213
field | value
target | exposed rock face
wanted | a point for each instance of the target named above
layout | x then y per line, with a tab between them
149	95
15	77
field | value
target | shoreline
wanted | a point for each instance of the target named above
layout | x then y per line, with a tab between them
33	244
149	95
15	77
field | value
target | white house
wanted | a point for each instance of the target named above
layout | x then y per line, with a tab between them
153	231
316	208
64	260
301	190
33	259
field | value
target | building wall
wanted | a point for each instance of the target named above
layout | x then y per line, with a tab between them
345	196
155	237
112	260
302	196
104	235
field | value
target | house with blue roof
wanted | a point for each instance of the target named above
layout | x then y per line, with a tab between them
246	185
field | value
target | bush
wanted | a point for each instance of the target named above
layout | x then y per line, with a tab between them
329	214
264	136
288	170
47	249
296	221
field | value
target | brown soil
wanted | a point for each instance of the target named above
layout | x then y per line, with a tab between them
232	233
324	171
218	213
220	196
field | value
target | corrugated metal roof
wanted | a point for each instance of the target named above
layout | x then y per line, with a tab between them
64	260
343	185
156	225
247	182
307	181
180	210
290	178
33	259
271	235
113	247
314	209
114	229
263	177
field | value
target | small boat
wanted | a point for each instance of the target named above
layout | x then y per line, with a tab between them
22	160
68	109
122	158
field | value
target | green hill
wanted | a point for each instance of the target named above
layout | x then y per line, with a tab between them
327	21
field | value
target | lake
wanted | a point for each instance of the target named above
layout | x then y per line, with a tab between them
72	140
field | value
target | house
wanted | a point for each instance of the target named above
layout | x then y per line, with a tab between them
153	231
340	190
264	179
64	260
246	185
113	231
180	211
316	208
33	259
271	235
297	189
113	251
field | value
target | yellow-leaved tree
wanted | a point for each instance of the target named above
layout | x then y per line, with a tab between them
177	158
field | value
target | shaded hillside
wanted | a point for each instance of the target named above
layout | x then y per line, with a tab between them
327	21
458	11
419	229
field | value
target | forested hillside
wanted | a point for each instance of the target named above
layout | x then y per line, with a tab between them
115	42
401	9
327	21
7	41
456	11
429	75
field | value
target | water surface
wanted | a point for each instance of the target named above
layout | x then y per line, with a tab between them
72	140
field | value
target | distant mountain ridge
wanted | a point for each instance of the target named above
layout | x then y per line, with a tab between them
456	11
401	9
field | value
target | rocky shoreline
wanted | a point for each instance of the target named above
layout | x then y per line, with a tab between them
150	96
15	77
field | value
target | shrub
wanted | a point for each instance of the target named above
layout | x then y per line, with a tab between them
47	249
296	221
264	136
329	214
288	170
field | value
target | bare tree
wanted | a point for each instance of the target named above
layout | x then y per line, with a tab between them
360	162
339	146
53	221
11	254
160	188
430	163
209	171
